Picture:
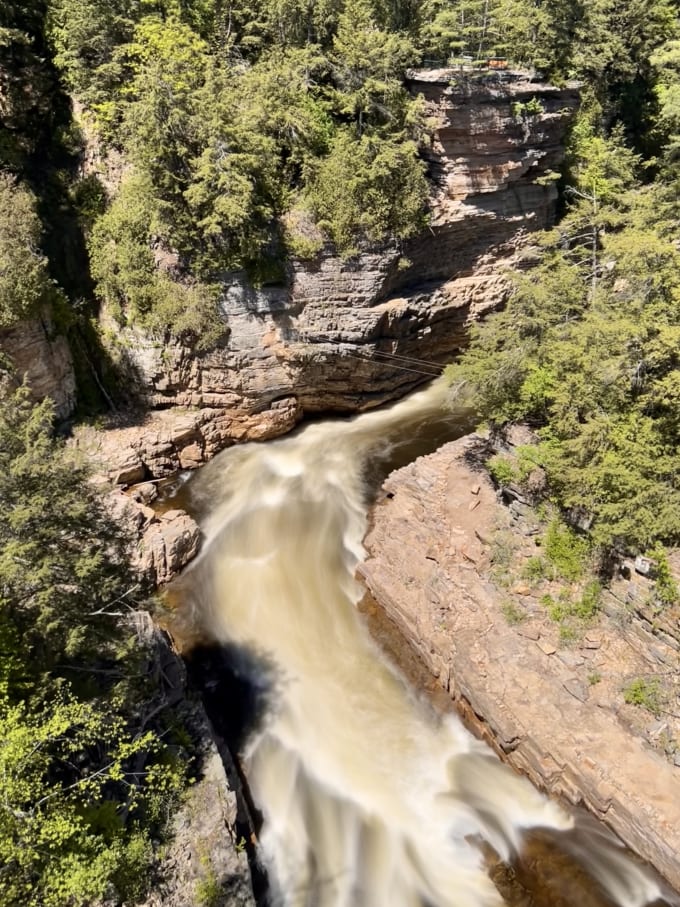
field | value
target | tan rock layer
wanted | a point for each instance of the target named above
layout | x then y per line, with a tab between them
425	569
41	357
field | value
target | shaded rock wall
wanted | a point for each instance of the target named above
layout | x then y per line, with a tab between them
318	344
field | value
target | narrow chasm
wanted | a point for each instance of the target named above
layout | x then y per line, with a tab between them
357	790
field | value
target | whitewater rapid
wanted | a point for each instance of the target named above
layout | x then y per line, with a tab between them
369	799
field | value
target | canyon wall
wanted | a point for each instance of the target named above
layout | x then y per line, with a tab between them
554	711
319	344
41	357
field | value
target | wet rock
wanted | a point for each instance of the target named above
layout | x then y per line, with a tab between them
168	546
145	493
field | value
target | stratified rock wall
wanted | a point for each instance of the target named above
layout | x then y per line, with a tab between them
535	703
318	344
42	358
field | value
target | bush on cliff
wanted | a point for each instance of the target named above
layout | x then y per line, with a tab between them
87	779
25	284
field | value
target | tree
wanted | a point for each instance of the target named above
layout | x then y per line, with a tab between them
87	781
368	189
28	112
24	281
369	68
87	38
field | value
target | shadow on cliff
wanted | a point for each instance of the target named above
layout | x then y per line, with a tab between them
237	688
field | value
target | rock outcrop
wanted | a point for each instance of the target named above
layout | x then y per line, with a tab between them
206	859
555	713
163	542
327	340
42	358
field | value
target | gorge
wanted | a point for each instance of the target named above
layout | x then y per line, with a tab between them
333	338
240	668
368	797
317	344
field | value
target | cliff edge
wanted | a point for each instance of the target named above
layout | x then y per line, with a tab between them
429	552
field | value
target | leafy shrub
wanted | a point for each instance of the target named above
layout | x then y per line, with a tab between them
665	586
644	693
589	603
502	470
512	613
566	550
24	279
537	568
130	282
88	780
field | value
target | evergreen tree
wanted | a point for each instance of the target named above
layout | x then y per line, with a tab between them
24	280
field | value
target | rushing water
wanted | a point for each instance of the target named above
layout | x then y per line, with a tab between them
369	799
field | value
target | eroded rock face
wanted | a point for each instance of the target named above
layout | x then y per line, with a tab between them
318	344
42	358
531	698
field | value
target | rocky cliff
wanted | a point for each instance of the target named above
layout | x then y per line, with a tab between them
556	712
41	356
321	343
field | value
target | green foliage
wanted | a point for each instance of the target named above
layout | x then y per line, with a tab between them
368	188
512	613
209	892
235	157
645	693
537	569
586	351
566	550
502	470
87	780
87	36
130	282
589	604
665	587
526	109
24	279
53	845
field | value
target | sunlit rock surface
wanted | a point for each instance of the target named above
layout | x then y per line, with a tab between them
427	573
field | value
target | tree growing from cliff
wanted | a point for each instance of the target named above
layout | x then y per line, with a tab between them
87	780
24	279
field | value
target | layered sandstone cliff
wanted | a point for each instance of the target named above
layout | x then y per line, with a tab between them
41	357
557	713
319	344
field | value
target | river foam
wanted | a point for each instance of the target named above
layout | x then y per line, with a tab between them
369	799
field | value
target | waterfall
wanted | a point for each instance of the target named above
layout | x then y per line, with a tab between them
369	798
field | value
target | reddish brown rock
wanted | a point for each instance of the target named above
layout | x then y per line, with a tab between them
42	358
168	545
571	739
